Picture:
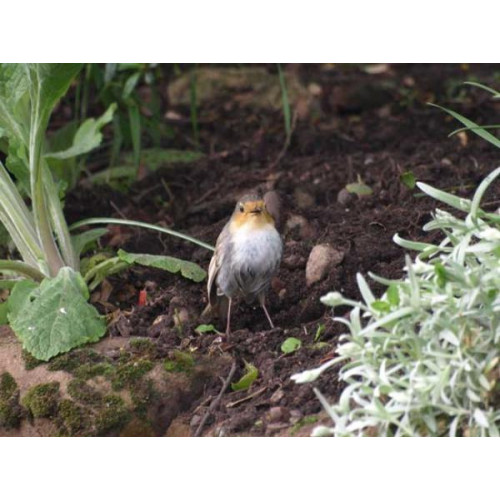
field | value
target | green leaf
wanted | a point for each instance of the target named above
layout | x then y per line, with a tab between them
84	241
134	118
19	296
450	199
205	329
187	269
381	306
130	85
408	179
321	329
55	317
440	271
291	344
248	378
359	188
87	137
393	295
473	127
14	104
49	82
3	313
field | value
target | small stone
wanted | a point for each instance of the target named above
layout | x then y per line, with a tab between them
295	416
303	199
345	198
277	396
321	258
299	224
294	261
278	414
273	205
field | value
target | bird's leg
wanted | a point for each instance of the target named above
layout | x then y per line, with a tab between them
228	324
262	301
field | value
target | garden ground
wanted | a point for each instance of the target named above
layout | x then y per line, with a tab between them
154	374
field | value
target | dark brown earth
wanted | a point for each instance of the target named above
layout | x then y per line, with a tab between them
349	123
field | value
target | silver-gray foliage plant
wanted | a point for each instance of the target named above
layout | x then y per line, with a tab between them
423	360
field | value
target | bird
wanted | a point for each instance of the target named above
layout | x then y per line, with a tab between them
247	255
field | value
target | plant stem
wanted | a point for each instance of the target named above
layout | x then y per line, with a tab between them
21	268
126	222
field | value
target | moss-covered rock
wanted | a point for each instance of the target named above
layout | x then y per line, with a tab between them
143	347
82	392
113	415
130	373
42	400
181	362
91	370
30	362
73	419
11	411
73	360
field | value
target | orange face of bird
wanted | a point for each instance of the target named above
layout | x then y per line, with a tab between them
252	213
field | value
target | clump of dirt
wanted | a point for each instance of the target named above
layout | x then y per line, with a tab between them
160	375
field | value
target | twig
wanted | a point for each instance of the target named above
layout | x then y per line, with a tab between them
216	401
246	398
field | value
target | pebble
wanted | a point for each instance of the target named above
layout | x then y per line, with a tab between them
277	396
321	259
278	414
299	224
303	199
345	198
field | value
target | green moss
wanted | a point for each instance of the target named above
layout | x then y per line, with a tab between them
143	347
113	415
30	361
42	400
91	370
142	393
73	360
10	409
73	419
182	362
80	391
130	373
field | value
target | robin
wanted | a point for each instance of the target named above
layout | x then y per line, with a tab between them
247	255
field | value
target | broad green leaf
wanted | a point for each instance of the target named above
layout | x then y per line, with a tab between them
19	296
187	269
87	137
55	317
83	241
48	83
291	344
248	378
14	103
8	284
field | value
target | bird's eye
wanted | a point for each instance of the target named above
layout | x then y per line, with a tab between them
242	208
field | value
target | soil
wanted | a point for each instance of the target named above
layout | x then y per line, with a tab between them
351	124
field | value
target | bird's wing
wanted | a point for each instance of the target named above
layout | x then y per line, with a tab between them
215	264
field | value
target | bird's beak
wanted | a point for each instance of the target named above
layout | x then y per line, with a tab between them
256	211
